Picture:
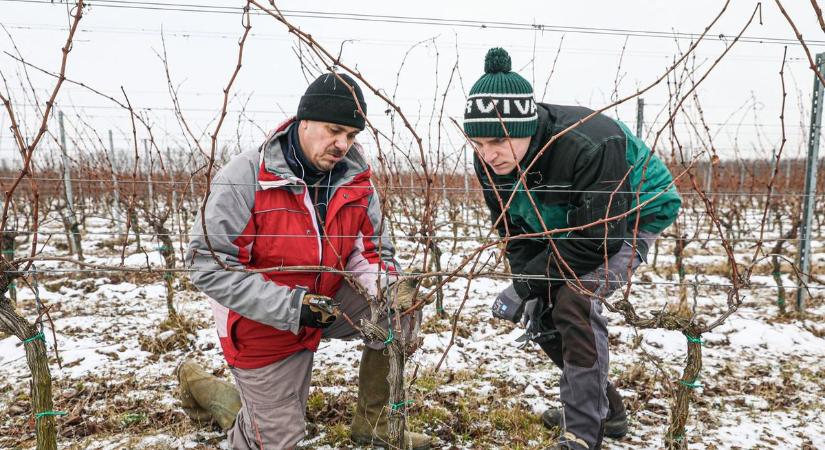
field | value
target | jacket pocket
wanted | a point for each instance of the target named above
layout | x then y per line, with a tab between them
594	210
553	194
285	210
231	324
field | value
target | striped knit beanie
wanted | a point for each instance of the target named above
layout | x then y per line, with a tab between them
500	96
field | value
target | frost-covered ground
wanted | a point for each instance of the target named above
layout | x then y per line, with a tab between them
763	377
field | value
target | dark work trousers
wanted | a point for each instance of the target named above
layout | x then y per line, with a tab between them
579	348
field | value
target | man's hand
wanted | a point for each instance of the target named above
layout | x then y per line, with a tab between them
508	305
318	311
402	294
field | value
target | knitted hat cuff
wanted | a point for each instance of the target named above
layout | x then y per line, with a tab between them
494	129
329	99
330	108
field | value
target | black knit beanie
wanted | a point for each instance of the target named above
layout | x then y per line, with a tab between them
327	99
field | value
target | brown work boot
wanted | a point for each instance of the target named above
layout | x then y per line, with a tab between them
205	397
188	403
369	423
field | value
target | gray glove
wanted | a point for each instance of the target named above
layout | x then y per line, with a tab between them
508	305
532	310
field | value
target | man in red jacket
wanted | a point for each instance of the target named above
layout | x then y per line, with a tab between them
303	198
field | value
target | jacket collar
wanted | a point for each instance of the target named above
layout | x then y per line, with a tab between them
275	172
543	134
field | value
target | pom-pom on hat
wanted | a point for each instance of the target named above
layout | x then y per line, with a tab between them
500	97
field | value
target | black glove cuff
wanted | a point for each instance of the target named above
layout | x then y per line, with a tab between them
526	290
522	288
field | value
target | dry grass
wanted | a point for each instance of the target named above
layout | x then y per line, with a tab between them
174	333
97	407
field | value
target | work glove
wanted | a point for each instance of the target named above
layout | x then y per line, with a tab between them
508	305
318	311
535	311
401	294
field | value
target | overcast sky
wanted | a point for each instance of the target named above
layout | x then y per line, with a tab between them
119	41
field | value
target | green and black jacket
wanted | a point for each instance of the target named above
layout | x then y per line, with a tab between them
571	184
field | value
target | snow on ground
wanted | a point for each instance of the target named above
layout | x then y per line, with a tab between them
763	379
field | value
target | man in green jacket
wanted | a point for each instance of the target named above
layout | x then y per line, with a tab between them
547	177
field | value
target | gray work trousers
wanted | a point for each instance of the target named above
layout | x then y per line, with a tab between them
580	346
274	397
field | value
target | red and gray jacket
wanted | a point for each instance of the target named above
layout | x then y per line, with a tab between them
259	215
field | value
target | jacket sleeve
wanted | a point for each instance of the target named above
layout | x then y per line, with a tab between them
598	172
372	261
232	232
522	253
